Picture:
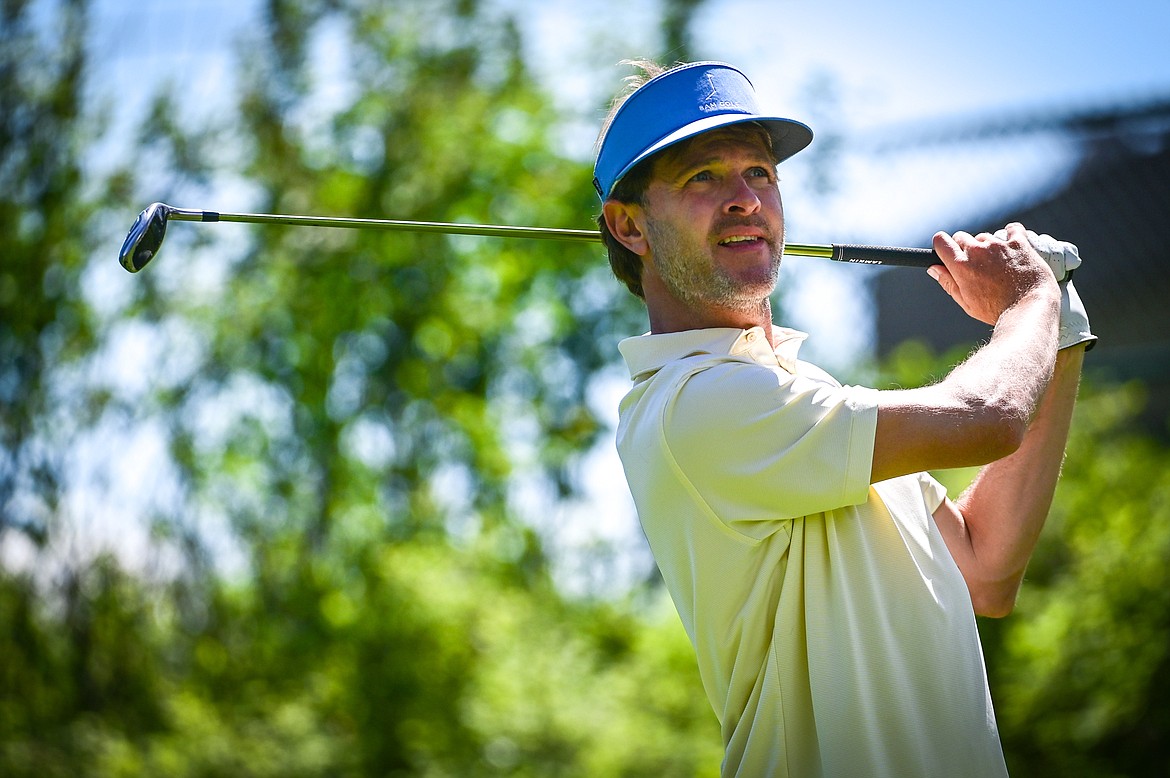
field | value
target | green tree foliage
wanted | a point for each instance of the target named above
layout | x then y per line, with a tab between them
43	317
354	414
1083	669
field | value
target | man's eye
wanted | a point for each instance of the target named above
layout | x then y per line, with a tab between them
760	172
703	175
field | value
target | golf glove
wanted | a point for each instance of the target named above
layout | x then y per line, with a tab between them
1064	258
1074	320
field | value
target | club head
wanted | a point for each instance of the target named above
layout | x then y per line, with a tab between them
145	237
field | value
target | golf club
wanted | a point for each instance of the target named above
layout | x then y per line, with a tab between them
145	238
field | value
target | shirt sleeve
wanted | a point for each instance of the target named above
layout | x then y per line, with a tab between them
760	444
933	493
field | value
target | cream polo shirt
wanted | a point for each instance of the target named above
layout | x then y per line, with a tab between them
834	633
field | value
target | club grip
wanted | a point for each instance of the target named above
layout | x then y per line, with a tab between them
885	255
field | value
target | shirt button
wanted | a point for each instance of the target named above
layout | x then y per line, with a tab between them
751	336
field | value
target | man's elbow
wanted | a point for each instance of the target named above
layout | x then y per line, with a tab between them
1001	429
995	601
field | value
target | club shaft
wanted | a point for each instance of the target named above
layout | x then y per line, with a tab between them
867	255
485	230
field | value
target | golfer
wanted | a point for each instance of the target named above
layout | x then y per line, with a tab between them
828	584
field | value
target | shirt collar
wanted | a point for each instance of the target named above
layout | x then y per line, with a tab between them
647	354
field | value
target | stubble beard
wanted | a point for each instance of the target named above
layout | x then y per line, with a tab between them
690	275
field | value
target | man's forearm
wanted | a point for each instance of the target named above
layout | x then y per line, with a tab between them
980	412
1013	370
1005	508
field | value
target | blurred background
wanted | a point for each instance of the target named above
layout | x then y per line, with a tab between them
321	502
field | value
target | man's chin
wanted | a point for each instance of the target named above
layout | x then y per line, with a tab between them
743	296
751	285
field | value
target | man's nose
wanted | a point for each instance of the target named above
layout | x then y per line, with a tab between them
742	198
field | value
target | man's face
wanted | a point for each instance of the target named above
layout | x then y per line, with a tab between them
715	220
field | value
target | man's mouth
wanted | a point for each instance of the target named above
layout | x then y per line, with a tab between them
739	239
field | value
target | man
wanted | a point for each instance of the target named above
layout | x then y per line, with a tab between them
828	584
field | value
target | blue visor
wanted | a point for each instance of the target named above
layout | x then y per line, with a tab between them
682	103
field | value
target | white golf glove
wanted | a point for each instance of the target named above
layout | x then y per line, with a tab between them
1064	258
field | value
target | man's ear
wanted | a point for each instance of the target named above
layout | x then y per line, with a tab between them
624	221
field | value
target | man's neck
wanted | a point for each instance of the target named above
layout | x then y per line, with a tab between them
679	318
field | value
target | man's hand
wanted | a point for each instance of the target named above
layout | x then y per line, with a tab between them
1074	320
1063	258
987	274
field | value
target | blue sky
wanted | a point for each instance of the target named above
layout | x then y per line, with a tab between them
908	59
900	59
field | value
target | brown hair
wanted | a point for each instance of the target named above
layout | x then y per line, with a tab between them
626	265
